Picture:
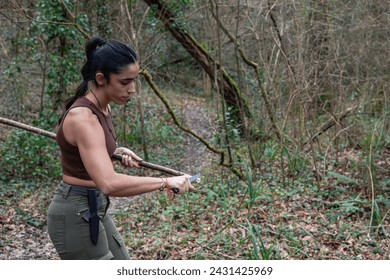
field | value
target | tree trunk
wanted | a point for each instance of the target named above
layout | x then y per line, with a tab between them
318	39
229	89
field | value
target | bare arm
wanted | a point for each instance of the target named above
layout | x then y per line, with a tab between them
87	134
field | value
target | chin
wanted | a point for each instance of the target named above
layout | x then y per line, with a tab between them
121	101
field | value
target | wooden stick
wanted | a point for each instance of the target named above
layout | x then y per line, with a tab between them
153	166
28	128
51	135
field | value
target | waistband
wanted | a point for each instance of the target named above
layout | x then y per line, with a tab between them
80	190
95	201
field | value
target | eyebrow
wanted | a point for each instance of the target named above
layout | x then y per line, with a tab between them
130	78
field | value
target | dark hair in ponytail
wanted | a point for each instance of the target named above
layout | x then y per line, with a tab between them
108	57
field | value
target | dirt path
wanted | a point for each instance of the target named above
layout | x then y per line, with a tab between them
198	156
27	242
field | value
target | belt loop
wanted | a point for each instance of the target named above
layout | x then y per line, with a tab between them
65	190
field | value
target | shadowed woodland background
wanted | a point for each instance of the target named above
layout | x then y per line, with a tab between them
283	106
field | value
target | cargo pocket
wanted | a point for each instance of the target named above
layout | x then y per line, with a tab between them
56	230
117	238
118	248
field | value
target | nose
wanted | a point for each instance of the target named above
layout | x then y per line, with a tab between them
131	88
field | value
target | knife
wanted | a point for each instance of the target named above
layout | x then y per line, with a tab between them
194	178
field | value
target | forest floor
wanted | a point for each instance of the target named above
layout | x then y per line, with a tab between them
294	218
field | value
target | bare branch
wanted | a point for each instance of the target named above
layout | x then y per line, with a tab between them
182	126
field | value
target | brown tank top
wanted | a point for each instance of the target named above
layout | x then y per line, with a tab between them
72	165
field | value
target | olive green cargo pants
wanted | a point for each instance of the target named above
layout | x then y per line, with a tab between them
70	232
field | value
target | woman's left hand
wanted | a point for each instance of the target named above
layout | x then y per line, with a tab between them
129	158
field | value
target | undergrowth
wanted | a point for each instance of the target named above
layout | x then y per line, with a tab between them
260	219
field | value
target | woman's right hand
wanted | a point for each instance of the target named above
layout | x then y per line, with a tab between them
181	183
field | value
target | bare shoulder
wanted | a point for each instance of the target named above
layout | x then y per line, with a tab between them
81	117
80	121
80	112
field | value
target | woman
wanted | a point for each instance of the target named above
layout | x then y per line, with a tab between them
78	223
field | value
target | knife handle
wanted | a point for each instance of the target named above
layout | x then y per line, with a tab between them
175	190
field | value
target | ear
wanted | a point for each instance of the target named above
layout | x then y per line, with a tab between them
100	79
